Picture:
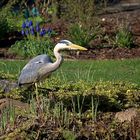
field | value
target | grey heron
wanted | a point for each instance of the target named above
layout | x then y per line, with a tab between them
42	66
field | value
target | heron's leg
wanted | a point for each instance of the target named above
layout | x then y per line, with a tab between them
39	110
36	92
37	100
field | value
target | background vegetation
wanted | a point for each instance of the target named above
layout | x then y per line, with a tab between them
83	24
82	98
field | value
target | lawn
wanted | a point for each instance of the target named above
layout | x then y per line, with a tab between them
88	70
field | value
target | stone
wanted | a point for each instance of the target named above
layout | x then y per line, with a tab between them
127	115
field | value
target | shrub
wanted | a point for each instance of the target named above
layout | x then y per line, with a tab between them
30	48
77	11
111	95
83	25
81	35
9	21
56	118
3	26
31	32
124	38
36	41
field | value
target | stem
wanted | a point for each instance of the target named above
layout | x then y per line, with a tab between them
92	107
78	102
73	104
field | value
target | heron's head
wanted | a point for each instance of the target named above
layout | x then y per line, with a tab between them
67	45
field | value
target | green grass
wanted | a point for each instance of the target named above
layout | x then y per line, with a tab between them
106	70
11	66
89	70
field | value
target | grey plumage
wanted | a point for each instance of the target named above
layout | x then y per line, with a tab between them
42	66
30	72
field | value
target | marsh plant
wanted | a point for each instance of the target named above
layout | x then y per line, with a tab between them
37	40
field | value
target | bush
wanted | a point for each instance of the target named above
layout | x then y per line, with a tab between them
36	41
124	38
3	26
30	48
70	110
111	95
84	25
9	21
81	35
77	11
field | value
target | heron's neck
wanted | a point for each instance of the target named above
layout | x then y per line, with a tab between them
59	59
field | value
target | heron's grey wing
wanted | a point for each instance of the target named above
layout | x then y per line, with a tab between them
29	73
40	58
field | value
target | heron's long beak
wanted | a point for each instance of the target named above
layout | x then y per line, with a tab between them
77	47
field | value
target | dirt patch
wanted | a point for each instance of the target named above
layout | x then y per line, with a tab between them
107	53
96	53
131	19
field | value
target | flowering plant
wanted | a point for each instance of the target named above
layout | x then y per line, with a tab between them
37	40
31	32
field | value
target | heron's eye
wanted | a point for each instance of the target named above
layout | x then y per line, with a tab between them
67	44
38	62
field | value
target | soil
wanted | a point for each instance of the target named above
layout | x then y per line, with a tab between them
96	53
107	53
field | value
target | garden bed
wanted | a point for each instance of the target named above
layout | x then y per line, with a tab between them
107	53
85	100
73	111
95	53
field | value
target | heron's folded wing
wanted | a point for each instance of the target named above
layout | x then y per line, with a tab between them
29	73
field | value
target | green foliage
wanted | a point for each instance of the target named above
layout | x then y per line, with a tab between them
3	26
113	95
36	41
78	11
81	35
124	38
7	117
6	76
54	111
9	21
68	135
84	26
30	48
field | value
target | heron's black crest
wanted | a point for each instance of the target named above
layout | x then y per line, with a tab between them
65	42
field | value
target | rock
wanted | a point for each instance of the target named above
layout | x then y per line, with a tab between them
6	102
7	86
127	115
